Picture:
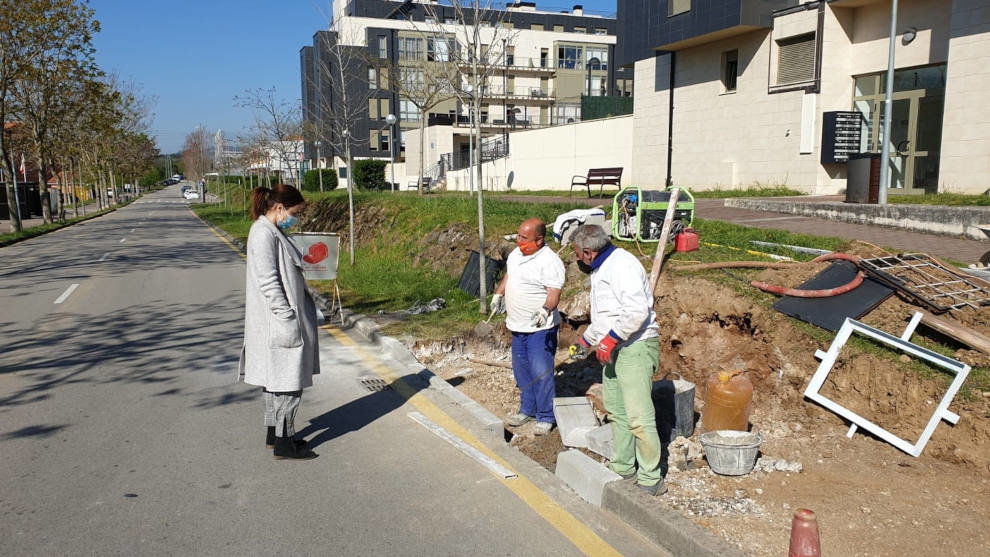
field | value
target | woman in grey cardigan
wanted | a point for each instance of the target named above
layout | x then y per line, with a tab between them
280	352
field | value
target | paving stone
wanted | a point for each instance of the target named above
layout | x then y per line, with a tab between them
584	475
600	440
575	418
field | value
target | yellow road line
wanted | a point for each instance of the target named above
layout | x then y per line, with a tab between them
571	528
218	235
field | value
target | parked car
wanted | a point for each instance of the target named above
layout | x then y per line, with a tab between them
191	194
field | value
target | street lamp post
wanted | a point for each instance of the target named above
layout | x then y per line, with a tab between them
391	120
593	61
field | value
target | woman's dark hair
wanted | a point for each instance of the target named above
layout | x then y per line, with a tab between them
263	198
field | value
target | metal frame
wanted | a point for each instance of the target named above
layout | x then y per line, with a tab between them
941	412
928	281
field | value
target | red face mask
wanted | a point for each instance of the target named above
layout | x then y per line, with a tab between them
528	248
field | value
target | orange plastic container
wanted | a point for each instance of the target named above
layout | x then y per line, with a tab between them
728	401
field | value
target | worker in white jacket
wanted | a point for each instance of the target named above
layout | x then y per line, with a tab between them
623	331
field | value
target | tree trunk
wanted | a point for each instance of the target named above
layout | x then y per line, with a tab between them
81	187
46	202
422	145
12	198
350	197
75	190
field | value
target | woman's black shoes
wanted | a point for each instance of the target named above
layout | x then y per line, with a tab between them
289	448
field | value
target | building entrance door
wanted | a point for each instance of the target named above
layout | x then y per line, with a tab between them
915	125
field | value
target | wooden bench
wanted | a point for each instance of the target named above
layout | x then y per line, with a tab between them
598	177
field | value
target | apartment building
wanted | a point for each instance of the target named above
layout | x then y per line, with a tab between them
547	62
731	93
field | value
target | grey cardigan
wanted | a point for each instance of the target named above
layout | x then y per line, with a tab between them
280	350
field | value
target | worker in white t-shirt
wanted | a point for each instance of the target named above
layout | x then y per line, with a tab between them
529	294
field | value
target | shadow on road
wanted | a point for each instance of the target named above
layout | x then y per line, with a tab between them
361	412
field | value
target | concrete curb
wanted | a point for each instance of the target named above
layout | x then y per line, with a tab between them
663	526
932	219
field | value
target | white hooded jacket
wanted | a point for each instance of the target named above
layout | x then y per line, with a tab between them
621	300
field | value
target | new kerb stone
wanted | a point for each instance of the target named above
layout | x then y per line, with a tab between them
575	418
584	475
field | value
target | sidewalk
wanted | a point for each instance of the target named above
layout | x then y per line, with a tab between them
967	251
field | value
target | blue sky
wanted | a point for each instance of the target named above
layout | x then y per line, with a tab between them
196	56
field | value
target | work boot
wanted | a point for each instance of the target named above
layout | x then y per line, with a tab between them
657	489
289	448
542	428
518	419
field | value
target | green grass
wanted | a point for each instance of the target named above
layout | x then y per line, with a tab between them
717	193
770	191
14	237
956	199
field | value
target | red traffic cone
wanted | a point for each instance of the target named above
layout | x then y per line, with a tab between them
805	541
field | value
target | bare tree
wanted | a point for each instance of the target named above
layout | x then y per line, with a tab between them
195	153
479	50
340	61
425	78
278	123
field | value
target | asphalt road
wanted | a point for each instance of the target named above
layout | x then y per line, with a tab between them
121	432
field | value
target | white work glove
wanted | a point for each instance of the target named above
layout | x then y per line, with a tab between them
539	318
498	305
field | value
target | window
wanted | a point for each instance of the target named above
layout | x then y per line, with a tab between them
510	56
601	31
579	29
597	52
408	111
730	69
384	107
382	46
374	139
373	109
372	78
438	50
536	27
411	78
449	20
796	59
510	85
410	48
544	55
569	58
385	140
675	7
598	86
558	28
567	113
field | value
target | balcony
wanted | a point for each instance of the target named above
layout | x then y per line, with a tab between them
516	65
520	95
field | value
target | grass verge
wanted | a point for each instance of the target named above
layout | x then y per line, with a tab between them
14	237
952	199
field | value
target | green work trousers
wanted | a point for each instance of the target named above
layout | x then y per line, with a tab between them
627	387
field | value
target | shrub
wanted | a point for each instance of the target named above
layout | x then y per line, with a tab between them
369	174
311	179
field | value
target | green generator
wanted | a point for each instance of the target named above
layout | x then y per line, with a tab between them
638	214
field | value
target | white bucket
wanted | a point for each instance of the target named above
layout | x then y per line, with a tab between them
731	453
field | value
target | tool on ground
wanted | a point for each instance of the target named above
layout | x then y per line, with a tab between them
577	352
668	221
929	282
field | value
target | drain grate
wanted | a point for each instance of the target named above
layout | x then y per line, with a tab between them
374	383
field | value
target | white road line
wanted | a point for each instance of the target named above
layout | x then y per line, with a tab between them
462	446
68	292
133	229
122	240
104	258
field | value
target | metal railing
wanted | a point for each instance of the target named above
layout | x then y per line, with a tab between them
492	148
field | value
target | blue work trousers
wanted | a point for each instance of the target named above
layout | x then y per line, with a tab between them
532	365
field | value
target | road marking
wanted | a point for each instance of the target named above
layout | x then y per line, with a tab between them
564	522
122	240
224	240
68	292
104	258
459	443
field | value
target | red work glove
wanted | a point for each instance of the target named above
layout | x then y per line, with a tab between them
606	347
